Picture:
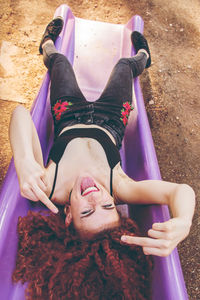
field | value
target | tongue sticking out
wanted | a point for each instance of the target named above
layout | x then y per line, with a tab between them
86	183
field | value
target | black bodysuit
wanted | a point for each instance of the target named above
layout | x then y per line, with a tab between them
60	144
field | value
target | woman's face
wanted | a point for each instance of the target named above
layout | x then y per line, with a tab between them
92	208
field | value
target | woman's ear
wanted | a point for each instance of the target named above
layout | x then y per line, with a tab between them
68	219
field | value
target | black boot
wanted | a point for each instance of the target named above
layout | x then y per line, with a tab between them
139	42
52	31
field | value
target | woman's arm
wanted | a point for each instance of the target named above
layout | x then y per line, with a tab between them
28	157
23	136
163	237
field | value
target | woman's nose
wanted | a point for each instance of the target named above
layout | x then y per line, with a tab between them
93	198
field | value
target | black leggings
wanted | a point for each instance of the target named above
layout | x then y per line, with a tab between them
118	88
106	111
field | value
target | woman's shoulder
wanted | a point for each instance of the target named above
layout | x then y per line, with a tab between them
119	174
120	181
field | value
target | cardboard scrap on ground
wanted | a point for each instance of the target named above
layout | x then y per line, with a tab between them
11	82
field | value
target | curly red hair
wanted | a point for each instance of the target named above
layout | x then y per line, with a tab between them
58	265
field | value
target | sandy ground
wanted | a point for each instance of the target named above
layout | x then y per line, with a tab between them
171	86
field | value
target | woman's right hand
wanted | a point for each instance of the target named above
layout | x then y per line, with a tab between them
34	182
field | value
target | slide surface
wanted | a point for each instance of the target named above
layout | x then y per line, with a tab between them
93	48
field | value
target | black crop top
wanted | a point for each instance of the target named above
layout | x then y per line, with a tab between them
61	142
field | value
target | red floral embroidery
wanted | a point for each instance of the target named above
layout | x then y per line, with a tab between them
60	107
125	112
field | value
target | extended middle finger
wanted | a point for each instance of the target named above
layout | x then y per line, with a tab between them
44	199
144	241
160	234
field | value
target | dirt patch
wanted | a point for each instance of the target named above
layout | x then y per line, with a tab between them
171	86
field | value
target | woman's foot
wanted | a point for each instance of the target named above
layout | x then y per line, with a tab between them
52	31
139	42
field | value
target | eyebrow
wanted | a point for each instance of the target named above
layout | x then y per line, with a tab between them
107	208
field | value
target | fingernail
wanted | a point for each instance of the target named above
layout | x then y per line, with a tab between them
55	210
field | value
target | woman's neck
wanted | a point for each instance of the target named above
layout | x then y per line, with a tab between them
81	156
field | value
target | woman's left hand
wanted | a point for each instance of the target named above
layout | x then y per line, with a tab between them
163	237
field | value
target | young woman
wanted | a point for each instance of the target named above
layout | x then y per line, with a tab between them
89	252
84	171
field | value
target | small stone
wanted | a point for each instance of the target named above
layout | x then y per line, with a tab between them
166	30
151	102
189	67
170	25
181	30
177	118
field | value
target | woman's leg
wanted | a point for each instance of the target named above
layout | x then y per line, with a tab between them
119	86
63	80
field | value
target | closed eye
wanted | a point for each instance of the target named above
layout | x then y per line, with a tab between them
86	213
108	206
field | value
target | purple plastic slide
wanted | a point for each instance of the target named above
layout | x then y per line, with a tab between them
94	47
